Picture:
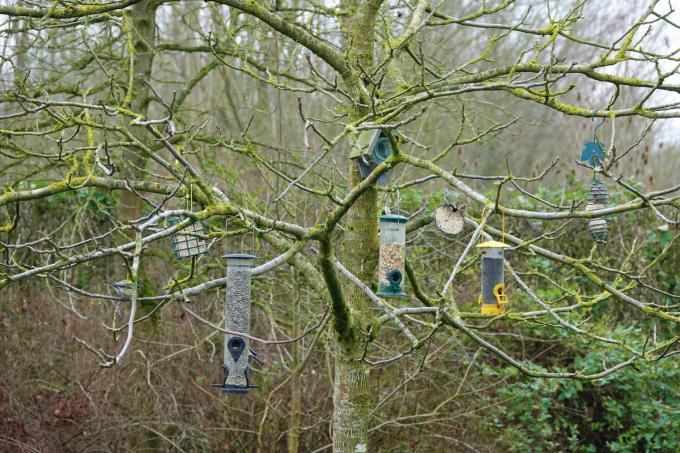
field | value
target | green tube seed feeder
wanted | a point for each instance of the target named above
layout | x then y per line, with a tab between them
392	256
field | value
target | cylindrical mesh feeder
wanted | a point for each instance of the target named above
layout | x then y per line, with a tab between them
598	198
493	297
392	256
186	242
237	319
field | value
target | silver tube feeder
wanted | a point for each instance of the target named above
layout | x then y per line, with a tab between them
237	319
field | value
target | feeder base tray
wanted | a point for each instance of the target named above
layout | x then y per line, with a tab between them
233	388
492	309
388	294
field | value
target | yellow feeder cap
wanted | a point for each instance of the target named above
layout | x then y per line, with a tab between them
493	245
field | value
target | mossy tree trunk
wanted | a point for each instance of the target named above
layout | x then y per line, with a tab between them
142	21
352	397
295	420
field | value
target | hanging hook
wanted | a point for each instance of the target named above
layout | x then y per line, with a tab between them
592	151
398	200
191	197
595	130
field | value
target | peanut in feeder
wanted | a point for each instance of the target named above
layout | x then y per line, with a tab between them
392	256
237	351
493	298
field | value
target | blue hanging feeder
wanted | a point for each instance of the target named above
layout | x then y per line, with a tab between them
593	153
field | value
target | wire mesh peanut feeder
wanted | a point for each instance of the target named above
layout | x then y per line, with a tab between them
493	298
187	242
598	198
237	319
372	148
392	256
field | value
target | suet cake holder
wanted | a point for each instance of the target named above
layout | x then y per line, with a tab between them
187	242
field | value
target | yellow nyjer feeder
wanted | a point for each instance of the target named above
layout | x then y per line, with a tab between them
493	297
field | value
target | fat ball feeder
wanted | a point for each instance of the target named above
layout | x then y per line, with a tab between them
392	256
493	298
598	198
237	351
372	148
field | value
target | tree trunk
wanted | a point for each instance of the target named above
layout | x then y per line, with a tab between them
352	399
352	404
295	387
130	206
143	20
352	396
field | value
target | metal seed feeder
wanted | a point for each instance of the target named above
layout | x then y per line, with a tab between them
237	351
392	256
493	298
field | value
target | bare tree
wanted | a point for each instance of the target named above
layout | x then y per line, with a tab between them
110	97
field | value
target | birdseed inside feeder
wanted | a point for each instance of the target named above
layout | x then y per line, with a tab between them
392	256
493	298
372	148
237	319
598	198
187	242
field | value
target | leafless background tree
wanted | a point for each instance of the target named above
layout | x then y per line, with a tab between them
116	117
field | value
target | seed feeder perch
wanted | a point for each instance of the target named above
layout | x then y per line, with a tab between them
370	150
493	298
187	242
392	256
237	319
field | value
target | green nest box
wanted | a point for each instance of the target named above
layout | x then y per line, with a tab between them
370	150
